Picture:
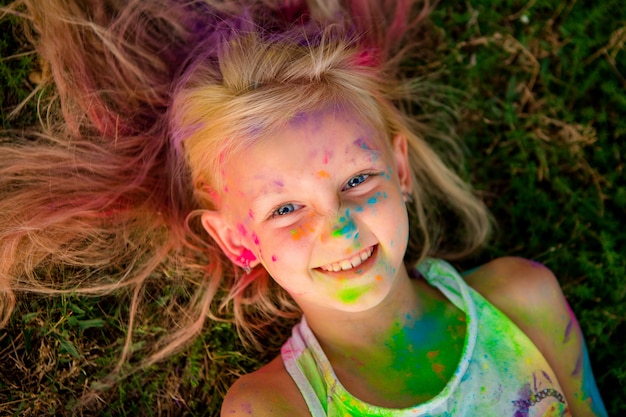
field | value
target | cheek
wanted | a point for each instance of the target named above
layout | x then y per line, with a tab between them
280	251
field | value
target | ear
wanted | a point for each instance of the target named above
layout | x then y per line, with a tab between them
403	167
228	238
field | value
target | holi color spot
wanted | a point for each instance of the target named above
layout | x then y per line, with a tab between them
438	369
242	230
362	144
295	234
322	174
568	331
251	214
246	408
351	295
298	233
327	155
346	230
274	259
589	388
279	183
373	200
246	257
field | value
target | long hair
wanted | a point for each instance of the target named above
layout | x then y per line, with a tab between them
151	96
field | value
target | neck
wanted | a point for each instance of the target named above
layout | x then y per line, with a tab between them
372	329
399	353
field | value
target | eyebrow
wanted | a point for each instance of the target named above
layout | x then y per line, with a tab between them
258	203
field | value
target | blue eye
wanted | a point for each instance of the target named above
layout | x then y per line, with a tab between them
284	209
357	180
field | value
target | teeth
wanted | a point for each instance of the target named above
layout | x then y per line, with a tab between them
353	262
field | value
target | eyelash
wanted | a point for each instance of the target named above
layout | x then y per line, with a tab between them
367	176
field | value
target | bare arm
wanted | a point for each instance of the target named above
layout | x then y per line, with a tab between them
530	295
266	392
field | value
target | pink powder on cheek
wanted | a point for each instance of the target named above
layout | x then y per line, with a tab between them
242	230
251	214
274	258
255	239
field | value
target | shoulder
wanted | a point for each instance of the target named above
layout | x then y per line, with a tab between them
517	284
529	294
270	391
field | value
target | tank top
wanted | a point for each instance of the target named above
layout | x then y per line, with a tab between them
500	373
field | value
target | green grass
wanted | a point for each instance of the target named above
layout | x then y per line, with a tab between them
543	121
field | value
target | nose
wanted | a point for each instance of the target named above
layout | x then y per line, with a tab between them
341	225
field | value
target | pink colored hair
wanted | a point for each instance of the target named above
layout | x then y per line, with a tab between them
148	94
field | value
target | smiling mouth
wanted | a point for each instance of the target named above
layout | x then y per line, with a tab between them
351	262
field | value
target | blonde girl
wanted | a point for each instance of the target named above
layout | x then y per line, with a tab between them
264	148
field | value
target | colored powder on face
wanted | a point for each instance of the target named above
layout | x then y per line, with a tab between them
346	230
255	238
251	214
351	295
327	155
295	234
279	183
322	174
242	230
274	259
360	142
379	278
299	119
376	198
301	231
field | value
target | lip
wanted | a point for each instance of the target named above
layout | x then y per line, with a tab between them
356	270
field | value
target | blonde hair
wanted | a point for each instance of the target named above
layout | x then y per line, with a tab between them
115	180
263	83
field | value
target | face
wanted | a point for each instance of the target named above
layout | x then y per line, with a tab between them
319	204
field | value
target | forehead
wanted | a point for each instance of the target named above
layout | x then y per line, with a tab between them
331	132
318	143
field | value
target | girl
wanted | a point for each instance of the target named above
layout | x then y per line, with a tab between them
278	129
